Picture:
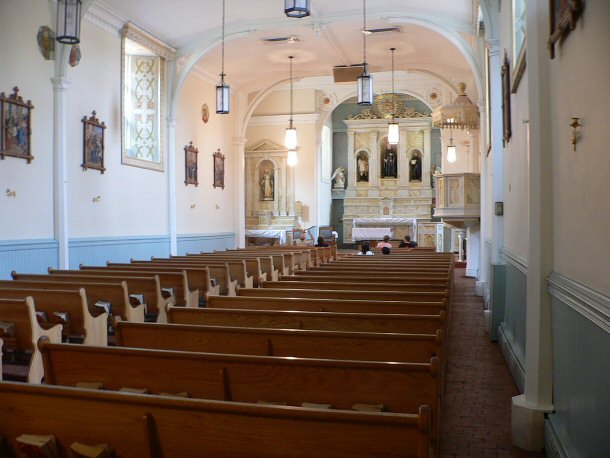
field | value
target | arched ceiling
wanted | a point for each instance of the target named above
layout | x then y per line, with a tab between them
331	36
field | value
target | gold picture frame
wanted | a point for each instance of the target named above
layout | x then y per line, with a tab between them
563	16
190	165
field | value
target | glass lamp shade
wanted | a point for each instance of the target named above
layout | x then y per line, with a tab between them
296	8
68	21
222	98
451	154
291	160
393	134
365	89
290	141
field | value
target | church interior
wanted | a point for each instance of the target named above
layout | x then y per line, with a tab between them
473	127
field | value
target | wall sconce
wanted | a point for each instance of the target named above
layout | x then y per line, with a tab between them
499	208
217	207
193	206
11	193
96	199
575	125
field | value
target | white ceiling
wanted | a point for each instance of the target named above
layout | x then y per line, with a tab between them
330	36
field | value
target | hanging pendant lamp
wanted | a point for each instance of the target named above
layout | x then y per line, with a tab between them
292	160
451	151
223	93
365	81
290	141
68	21
296	8
393	133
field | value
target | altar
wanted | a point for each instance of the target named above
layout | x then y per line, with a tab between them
272	234
377	228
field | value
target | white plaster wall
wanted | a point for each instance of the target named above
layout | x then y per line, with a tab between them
581	205
132	200
214	207
278	102
30	214
459	137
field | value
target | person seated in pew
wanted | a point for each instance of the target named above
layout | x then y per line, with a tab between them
385	250
366	249
407	243
385	243
320	242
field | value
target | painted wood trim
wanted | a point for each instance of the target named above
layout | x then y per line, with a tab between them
512	360
515	259
592	304
556	444
34	244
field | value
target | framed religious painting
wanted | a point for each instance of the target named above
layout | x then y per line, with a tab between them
93	143
219	169
563	16
507	131
15	126
190	164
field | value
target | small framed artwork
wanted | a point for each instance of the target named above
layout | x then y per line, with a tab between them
219	169
506	100
190	164
205	113
15	126
93	143
563	15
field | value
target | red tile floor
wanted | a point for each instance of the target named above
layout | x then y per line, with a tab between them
479	387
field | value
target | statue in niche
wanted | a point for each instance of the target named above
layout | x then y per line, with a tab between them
389	163
363	167
267	186
415	168
339	177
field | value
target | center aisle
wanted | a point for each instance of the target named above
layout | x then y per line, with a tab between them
479	387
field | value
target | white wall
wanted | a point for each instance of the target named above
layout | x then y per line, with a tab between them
213	206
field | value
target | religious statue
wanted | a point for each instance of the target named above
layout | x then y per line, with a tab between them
267	186
339	177
389	163
415	169
363	167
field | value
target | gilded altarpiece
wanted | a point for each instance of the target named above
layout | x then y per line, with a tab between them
398	180
269	187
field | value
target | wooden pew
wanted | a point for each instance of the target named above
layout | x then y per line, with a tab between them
362	346
117	294
80	324
20	331
253	265
144	290
366	287
155	426
323	321
198	277
237	268
284	262
400	387
325	304
421	281
1	354
278	263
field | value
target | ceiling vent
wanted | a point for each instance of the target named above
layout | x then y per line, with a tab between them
383	30
280	40
347	73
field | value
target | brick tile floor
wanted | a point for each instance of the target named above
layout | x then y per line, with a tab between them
479	387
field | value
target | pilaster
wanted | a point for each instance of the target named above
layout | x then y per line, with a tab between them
239	196
171	185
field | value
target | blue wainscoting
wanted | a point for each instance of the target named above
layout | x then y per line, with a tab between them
196	243
36	256
581	370
30	256
511	332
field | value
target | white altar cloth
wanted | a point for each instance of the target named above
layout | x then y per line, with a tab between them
370	233
387	221
268	234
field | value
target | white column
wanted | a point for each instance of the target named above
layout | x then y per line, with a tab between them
375	162
352	167
529	408
60	183
497	148
239	196
427	159
485	203
171	185
402	158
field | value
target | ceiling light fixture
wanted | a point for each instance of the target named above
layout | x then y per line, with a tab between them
393	134
290	140
296	8
68	21
292	158
365	81
223	94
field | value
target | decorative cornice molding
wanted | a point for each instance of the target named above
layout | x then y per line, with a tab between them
592	304
141	36
515	259
105	18
276	120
